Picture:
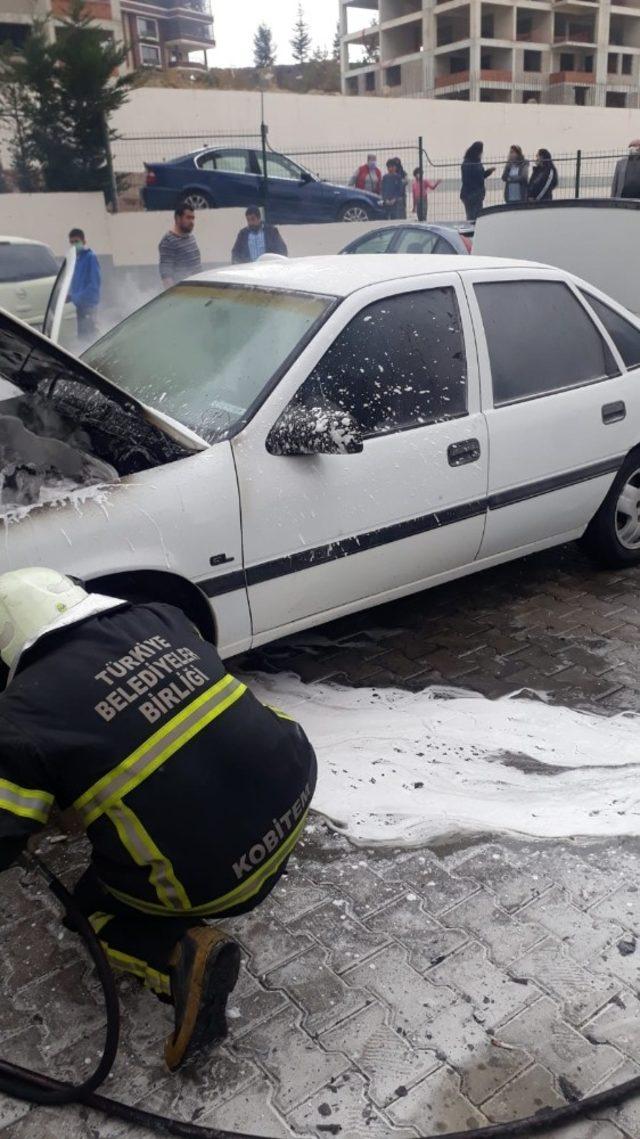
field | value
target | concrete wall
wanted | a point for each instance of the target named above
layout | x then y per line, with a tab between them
131	240
49	217
305	122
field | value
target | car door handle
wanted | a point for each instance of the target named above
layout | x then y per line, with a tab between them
613	412
467	451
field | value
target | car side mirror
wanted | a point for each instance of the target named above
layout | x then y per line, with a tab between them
305	176
321	430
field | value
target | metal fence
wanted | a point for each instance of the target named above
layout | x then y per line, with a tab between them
130	152
582	174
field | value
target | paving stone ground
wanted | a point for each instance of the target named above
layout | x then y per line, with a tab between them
399	992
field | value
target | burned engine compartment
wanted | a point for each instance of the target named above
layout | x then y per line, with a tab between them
61	430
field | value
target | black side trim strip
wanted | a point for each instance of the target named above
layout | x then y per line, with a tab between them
372	539
556	482
223	583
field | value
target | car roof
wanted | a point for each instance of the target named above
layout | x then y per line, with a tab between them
11	239
338	275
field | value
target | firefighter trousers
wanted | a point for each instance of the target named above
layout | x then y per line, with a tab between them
141	944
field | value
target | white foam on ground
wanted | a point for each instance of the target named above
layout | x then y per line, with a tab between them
397	768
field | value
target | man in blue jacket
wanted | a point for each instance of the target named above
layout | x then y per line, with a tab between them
85	286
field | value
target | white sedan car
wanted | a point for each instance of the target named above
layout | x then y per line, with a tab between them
28	270
284	443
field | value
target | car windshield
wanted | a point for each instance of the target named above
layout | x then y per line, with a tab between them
204	353
26	262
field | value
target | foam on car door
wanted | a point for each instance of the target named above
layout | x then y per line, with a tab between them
353	528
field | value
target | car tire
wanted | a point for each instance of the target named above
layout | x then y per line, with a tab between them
354	211
612	537
198	200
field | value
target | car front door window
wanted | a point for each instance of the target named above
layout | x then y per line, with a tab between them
399	364
279	167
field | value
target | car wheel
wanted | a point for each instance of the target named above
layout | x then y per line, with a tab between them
613	536
198	200
354	211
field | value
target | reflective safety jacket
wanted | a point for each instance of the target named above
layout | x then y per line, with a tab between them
192	792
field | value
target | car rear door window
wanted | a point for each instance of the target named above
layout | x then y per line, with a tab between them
400	363
413	241
374	242
625	336
226	161
540	340
445	246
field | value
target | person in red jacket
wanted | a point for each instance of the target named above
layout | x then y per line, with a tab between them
368	176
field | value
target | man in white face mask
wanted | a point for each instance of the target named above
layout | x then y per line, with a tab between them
626	180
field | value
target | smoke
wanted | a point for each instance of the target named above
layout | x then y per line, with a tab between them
123	293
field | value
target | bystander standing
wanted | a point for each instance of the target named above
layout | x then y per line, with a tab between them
420	199
393	192
515	176
626	180
474	176
368	176
544	177
85	286
402	209
178	250
256	238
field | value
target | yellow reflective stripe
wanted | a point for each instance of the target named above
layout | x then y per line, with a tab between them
281	715
27	802
144	852
159	747
98	921
242	893
123	963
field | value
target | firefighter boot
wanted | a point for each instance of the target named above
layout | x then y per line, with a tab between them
204	970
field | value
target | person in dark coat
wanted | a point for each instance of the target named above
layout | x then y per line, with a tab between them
474	176
193	794
402	209
393	192
256	238
544	178
516	176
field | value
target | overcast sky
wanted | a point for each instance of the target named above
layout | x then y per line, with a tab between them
237	20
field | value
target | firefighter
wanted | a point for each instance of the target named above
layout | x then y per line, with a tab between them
192	793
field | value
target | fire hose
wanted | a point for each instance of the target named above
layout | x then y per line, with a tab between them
22	1083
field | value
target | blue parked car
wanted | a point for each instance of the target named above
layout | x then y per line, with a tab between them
232	176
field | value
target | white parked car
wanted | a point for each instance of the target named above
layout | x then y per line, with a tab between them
284	443
28	270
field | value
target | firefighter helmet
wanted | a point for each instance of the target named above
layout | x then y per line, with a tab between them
34	601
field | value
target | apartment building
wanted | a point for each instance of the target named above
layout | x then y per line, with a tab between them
584	52
156	33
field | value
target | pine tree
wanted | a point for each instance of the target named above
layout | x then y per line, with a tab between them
264	49
58	97
301	40
337	41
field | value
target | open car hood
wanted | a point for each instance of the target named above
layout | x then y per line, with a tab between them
124	431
